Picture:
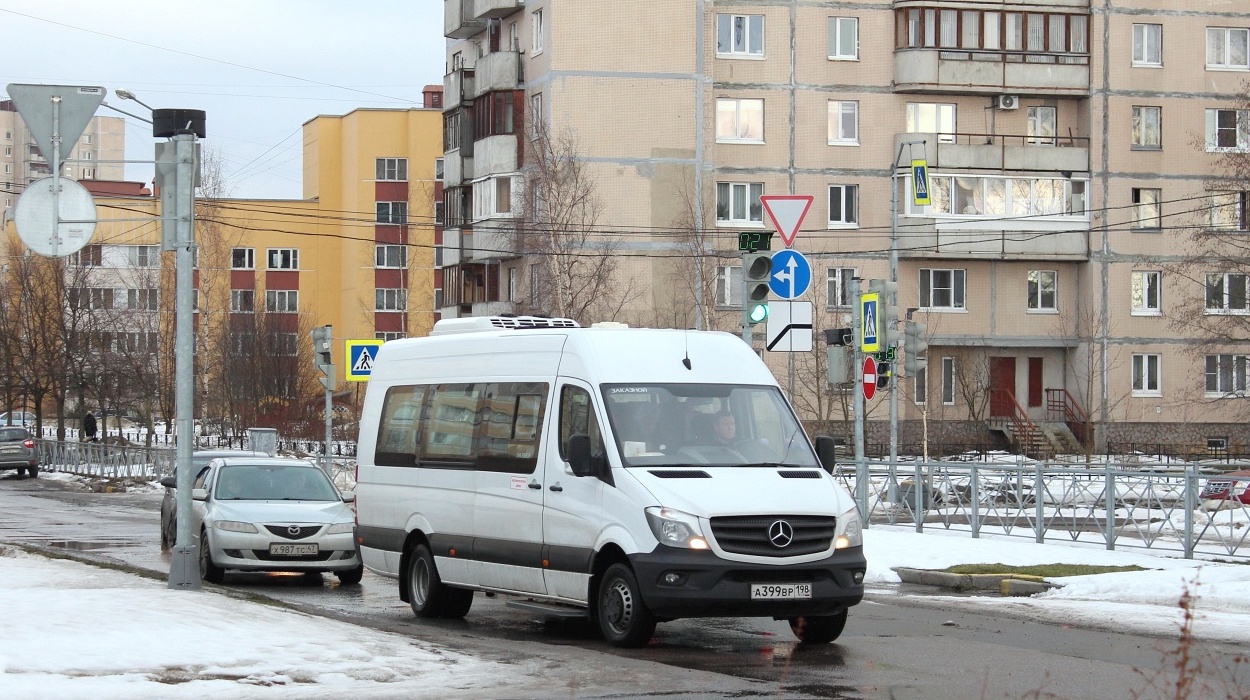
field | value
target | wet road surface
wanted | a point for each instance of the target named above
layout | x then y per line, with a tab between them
901	643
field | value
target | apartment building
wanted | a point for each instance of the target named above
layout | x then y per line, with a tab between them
21	162
1066	266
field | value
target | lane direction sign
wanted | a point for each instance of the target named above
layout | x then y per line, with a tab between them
786	211
360	357
791	274
789	326
869	378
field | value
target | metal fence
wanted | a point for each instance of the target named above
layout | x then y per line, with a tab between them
338	448
1113	504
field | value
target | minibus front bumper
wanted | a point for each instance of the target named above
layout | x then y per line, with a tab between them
688	583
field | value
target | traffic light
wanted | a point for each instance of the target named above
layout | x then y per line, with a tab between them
321	338
914	333
757	268
884	371
887	311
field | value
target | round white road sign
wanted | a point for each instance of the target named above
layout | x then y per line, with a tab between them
33	217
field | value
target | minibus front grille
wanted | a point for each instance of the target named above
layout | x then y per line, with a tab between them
750	534
680	473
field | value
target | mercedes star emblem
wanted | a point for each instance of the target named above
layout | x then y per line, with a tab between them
781	533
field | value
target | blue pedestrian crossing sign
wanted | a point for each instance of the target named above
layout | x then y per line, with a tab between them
868	305
791	274
361	355
920	183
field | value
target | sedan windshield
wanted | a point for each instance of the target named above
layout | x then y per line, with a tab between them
255	482
705	424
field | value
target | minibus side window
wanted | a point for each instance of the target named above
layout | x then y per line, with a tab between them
511	420
577	415
453	419
399	427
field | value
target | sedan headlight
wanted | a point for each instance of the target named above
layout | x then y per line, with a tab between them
341	529
675	528
852	532
235	526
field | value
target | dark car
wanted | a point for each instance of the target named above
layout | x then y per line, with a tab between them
169	508
18	451
1227	491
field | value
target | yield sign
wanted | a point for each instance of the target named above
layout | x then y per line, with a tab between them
56	110
786	211
870	378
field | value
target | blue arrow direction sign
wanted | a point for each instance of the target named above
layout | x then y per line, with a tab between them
360	357
791	274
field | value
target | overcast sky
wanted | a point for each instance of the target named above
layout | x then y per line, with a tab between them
259	68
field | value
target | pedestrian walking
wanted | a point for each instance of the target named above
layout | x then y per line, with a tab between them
88	427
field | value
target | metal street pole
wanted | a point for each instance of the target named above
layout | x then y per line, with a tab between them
861	464
893	302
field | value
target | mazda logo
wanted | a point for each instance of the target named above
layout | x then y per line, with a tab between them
294	529
781	533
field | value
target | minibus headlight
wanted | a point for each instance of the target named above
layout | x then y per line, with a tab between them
852	531
674	528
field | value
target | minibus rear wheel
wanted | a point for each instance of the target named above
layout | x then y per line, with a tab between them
623	617
426	592
818	629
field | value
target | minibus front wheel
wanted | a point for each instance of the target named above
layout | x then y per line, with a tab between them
623	617
818	629
426	593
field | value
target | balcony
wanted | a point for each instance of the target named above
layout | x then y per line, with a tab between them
1007	152
495	155
488	242
457	169
498	70
930	70
458	19
495	8
458	88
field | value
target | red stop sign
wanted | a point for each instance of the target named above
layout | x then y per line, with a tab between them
870	378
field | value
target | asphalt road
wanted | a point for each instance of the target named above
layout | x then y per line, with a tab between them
899	644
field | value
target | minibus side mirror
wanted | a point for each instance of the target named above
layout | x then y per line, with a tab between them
826	452
579	455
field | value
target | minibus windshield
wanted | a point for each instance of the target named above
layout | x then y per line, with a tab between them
724	425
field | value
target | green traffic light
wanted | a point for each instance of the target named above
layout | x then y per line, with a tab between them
759	312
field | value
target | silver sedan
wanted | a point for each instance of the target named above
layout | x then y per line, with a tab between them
272	514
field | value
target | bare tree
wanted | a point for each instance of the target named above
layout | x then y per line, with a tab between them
558	234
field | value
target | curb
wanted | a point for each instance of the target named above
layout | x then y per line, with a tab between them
1018	585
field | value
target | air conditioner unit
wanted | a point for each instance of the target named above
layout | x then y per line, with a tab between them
1008	102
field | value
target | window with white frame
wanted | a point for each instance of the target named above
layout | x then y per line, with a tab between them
740	36
88	173
536	115
1147	44
948	381
142	299
1226	374
388	335
1147	127
86	139
392	212
242	301
728	281
838	290
283	258
739	120
1040	126
1228	48
390	300
1145	292
439	164
143	256
920	386
512	284
1230	211
1227	130
1043	286
738	203
282	300
1227	293
843	38
1147	214
86	155
970	196
1146	374
932	118
843	206
941	289
536	23
843	123
390	256
391	169
242	258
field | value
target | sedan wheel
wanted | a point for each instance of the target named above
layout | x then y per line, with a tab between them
208	570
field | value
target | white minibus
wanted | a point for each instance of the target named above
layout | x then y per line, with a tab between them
629	475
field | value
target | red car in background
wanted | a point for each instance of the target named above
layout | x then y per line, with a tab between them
1227	490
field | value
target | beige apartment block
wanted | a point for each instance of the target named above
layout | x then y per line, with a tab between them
1076	157
96	156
